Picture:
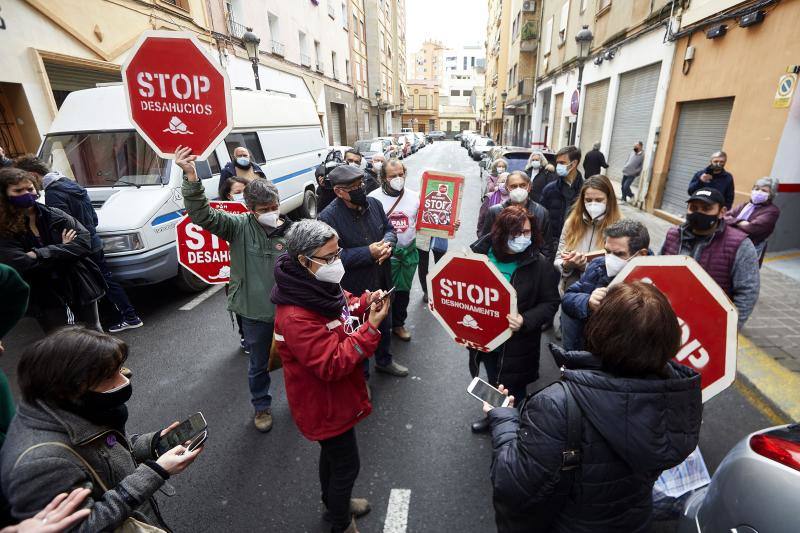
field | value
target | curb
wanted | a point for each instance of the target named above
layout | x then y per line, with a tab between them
777	385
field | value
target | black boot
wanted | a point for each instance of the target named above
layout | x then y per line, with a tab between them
481	426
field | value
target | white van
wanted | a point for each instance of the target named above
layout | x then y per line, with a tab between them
137	194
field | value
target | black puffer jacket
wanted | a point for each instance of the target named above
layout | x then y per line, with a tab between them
632	430
536	283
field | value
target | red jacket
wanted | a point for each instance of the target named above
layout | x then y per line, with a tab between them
322	368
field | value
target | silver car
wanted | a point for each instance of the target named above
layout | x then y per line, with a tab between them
756	489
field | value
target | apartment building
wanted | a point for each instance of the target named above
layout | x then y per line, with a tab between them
427	63
462	74
358	66
421	112
385	55
522	44
496	92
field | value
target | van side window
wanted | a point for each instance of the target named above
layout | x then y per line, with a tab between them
208	167
249	141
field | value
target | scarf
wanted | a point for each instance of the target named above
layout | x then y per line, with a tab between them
295	285
747	210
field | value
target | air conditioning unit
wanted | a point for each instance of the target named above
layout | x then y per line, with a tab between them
529	6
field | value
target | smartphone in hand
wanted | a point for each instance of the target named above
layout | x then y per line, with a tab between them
486	393
186	430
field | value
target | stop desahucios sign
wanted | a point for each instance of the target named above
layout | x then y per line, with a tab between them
471	299
176	94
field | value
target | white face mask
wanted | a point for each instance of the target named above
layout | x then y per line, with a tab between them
397	183
614	264
269	219
353	164
238	197
536	164
518	195
332	273
376	166
595	209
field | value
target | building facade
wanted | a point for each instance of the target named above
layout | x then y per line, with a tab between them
421	112
462	74
385	56
497	39
364	124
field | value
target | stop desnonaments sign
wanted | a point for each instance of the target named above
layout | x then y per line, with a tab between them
707	317
471	299
176	94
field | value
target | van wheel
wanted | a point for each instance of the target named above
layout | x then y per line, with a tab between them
309	207
188	282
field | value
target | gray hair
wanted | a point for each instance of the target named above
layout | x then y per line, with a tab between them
498	161
596	146
391	162
772	183
719	153
260	191
638	236
307	236
521	174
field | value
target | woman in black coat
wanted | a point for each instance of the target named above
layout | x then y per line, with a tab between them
513	246
637	413
50	250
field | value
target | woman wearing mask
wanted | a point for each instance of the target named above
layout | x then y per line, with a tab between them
758	217
583	230
498	167
70	433
499	196
324	335
233	189
50	250
513	246
541	173
256	239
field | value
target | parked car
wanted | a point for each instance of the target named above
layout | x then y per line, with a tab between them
404	146
468	138
415	144
392	149
436	135
480	146
459	136
756	488
422	139
369	147
517	157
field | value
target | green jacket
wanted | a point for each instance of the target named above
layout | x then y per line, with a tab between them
253	252
14	292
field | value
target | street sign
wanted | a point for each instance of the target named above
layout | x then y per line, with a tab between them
574	102
440	203
176	94
785	90
202	253
707	318
471	299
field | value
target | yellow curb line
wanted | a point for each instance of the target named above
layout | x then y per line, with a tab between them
772	380
792	255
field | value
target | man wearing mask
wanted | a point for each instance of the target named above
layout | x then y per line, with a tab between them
400	205
242	166
367	239
371	177
725	252
256	240
518	186
559	195
716	177
632	170
625	240
593	161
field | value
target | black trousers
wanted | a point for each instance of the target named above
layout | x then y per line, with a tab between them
422	269
52	318
338	470
400	308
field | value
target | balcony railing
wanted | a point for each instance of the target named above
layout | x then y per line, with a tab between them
235	29
494	80
305	60
529	36
525	87
278	48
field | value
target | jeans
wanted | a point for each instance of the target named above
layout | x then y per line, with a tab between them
52	318
115	293
338	469
422	269
491	362
400	308
258	338
572	332
627	181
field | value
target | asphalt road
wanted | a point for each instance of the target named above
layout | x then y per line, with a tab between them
417	438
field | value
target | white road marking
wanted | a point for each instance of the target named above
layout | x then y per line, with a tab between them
397	511
202	297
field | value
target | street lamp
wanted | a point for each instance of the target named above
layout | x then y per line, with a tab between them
251	41
584	41
503	96
378	105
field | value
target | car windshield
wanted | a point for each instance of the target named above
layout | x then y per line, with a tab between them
516	161
104	159
369	146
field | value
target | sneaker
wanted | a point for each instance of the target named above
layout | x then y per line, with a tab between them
263	420
425	298
243	345
402	333
393	369
358	508
126	324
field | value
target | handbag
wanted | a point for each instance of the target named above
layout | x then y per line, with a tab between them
130	525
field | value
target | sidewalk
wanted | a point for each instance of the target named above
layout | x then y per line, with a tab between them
769	343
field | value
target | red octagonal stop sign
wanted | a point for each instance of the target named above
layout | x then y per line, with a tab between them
202	253
176	94
471	299
707	317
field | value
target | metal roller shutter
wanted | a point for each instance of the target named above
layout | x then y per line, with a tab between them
594	111
701	132
336	125
556	143
635	100
70	78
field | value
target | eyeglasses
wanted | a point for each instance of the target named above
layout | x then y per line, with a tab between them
330	259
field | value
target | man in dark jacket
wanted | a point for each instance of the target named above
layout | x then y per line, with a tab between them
367	239
625	240
593	161
632	170
716	177
69	196
559	195
521	182
242	165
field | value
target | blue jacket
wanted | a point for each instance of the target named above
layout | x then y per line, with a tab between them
357	230
557	198
67	195
575	302
229	171
723	182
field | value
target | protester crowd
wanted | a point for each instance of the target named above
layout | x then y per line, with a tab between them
322	297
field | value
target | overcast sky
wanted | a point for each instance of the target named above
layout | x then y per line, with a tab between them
454	22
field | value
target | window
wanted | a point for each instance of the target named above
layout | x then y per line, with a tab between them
208	168
347	70
472	61
423	101
355	26
366	123
333	63
562	24
318	55
466	92
455	92
548	36
274	29
583	5
344	15
249	141
465	63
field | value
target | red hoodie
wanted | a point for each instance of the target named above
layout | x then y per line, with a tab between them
323	368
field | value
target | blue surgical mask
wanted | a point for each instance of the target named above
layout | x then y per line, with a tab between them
519	243
243	161
561	170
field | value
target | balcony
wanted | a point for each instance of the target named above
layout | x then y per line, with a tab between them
235	29
529	36
305	60
525	87
494	80
331	10
321	67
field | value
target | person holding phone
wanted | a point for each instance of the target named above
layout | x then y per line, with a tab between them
323	335
69	432
514	247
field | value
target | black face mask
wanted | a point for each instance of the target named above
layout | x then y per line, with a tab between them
359	197
106	408
701	221
715	169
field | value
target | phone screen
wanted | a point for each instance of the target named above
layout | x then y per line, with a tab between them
187	430
487	393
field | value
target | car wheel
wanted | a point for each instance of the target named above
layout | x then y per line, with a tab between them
309	207
188	282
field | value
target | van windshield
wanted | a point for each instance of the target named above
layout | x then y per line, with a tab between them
105	159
